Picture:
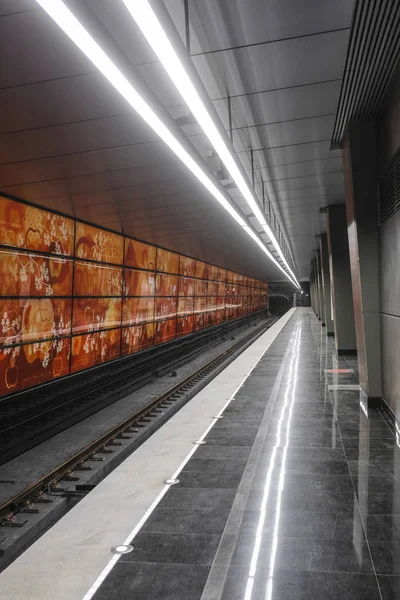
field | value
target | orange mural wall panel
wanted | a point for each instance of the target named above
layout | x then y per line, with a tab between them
32	228
91	349
93	314
97	244
187	266
23	274
140	255
91	279
73	295
167	262
137	310
139	283
138	337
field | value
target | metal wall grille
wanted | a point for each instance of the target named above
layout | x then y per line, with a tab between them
389	190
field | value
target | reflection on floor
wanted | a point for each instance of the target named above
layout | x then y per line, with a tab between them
295	495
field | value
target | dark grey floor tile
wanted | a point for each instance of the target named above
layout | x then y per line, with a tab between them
292	554
234	438
383	528
210	479
303	455
217	465
198	499
182	548
292	523
303	554
386	557
312	438
318	502
223	452
289	585
390	587
304	483
341	556
187	521
376	503
353	586
370	445
367	484
156	581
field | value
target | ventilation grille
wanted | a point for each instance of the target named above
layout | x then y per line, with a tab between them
372	58
389	190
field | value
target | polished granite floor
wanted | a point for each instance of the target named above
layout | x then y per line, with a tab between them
295	494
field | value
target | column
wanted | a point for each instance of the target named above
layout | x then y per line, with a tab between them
320	289
340	277
359	163
326	284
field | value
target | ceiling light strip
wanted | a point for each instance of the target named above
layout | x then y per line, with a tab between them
147	21
67	21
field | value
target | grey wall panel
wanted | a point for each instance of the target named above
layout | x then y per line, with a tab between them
389	266
390	327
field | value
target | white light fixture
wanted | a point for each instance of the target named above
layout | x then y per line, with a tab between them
154	33
67	21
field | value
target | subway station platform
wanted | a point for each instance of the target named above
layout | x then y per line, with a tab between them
288	488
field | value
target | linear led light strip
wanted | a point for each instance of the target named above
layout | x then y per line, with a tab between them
59	12
154	33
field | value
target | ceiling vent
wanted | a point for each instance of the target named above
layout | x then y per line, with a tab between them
372	57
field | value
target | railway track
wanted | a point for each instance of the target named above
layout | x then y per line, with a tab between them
49	484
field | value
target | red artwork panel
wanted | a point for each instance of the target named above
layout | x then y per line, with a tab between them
92	349
93	314
185	325
229	276
220	301
212	273
139	283
211	303
167	262
138	254
201	269
186	286
22	367
200	287
137	310
187	266
199	320
185	306
97	244
212	289
138	337
165	331
219	316
34	319
221	275
166	285
165	308
91	279
200	305
221	289
31	228
23	274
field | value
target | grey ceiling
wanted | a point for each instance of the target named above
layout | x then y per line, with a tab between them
68	140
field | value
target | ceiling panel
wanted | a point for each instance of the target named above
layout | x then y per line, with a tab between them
279	64
260	21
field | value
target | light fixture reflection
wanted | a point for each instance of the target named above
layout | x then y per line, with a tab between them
67	21
284	419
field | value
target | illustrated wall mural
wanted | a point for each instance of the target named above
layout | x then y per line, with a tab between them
73	295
